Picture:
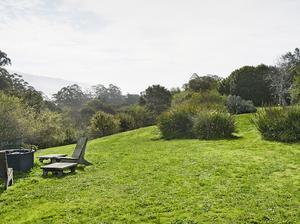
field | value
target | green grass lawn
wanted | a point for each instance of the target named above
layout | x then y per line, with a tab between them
136	177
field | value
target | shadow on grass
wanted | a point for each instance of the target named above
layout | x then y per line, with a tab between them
281	142
54	175
233	137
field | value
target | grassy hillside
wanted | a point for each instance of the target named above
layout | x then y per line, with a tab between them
137	177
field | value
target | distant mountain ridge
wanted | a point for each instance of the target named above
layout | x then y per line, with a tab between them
49	85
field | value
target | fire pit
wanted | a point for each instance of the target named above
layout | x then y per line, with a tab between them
20	159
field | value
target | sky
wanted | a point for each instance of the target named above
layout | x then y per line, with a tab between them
137	43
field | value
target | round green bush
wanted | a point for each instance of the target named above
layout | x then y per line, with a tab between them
279	124
142	117
103	124
176	124
213	125
126	121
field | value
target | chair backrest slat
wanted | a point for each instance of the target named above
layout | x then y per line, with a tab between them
3	164
80	147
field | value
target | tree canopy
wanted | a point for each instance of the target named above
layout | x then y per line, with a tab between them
156	98
250	83
202	83
71	96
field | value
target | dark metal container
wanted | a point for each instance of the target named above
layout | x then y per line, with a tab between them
20	159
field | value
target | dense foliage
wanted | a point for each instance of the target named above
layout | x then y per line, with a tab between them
51	130
279	124
295	91
209	99
202	83
127	121
237	105
71	96
21	124
193	122
27	117
213	125
156	98
103	124
177	123
142	117
250	83
15	120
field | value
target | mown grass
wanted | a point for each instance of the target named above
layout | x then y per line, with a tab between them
136	177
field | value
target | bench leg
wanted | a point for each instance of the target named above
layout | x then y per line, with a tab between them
59	173
45	173
84	162
73	169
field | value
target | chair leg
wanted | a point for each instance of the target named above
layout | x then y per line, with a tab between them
84	162
45	173
5	184
12	178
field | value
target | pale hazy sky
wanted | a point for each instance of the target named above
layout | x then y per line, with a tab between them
136	43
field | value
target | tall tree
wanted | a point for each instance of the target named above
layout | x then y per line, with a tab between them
14	85
281	79
295	91
70	96
111	95
250	83
202	83
156	98
131	99
4	60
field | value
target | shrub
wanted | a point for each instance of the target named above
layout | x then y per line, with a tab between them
49	130
103	124
142	117
236	105
213	125
126	121
176	123
70	131
279	124
190	122
181	97
15	120
210	100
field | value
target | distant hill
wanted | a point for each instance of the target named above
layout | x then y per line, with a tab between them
49	85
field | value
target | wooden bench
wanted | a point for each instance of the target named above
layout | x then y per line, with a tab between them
77	156
58	168
51	157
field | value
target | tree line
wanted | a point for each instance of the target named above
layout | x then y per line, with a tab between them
28	118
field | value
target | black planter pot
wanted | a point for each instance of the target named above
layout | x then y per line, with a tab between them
20	159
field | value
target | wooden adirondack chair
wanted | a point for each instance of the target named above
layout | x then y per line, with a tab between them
77	156
5	173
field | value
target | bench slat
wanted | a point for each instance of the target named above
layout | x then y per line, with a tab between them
59	166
